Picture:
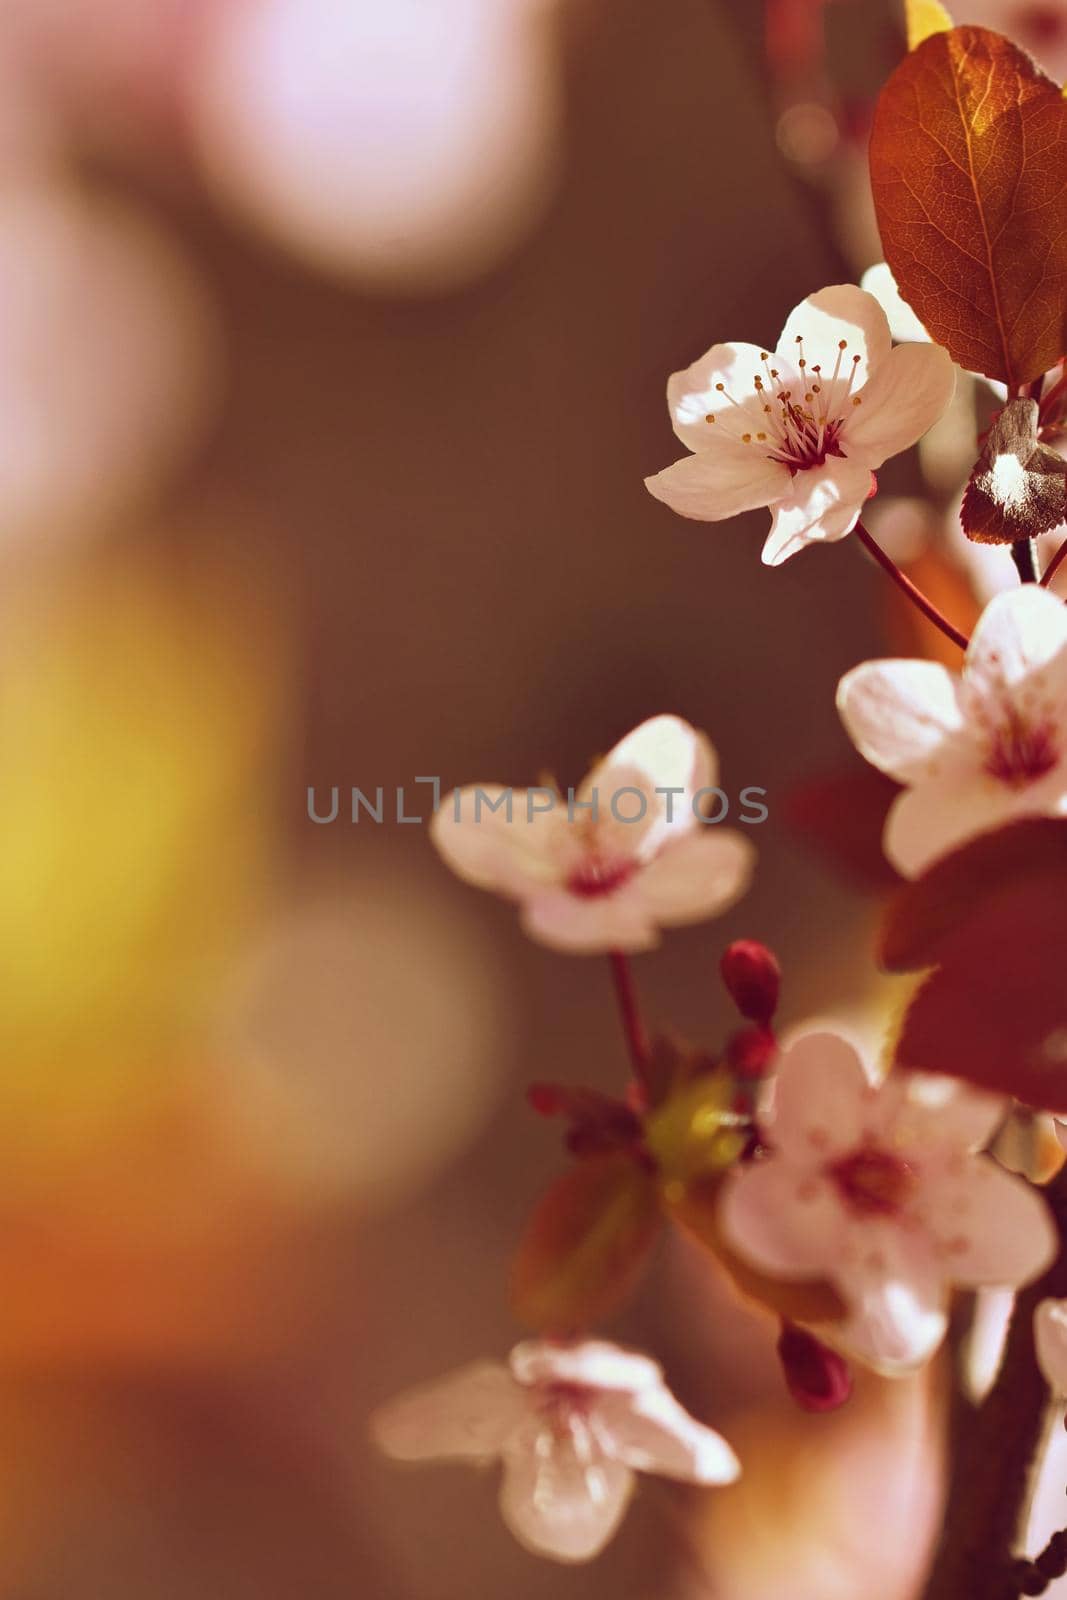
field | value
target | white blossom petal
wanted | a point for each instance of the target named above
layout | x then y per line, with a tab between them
720	482
650	1432
823	320
566	921
693	395
903	400
824	1100
663	753
591	1364
562	1496
902	716
512	850
696	877
783	1219
930	1110
467	1415
1050	1336
897	1298
1020	631
993	1228
935	818
904	325
823	505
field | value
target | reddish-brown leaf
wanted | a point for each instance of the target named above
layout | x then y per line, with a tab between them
924	920
969	171
586	1245
992	917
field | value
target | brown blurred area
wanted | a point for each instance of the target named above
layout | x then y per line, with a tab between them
407	536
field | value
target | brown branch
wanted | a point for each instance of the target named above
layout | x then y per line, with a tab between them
997	1453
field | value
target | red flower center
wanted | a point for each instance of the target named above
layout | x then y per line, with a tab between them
1021	754
597	877
873	1182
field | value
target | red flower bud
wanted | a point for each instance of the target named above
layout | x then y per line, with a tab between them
752	976
817	1377
751	1052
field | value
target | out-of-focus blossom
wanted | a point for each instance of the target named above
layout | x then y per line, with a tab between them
606	868
108	360
358	1085
1040	26
572	1424
1050	1336
142	726
405	143
877	1188
978	749
803	430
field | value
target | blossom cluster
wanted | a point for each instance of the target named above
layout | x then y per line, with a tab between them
849	1201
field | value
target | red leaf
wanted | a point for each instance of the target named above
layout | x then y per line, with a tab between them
586	1245
924	920
993	917
969	171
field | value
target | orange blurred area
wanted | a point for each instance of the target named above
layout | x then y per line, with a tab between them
332	348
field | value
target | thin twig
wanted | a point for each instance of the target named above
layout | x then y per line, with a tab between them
1050	570
914	594
630	1012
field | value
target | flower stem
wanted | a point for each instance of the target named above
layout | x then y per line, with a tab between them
914	594
1050	570
997	1451
1024	554
630	1012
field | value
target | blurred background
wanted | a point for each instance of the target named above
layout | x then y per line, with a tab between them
333	344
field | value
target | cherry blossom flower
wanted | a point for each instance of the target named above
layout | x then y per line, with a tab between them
1050	1339
977	749
801	431
606	867
877	1189
572	1424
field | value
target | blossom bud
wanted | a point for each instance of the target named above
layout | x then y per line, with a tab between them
751	1052
817	1377
752	976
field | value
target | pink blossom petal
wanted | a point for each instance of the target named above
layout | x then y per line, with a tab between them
1020	630
562	1495
696	877
903	323
823	1099
592	1364
513	850
663	753
467	1415
651	1432
693	396
931	1111
992	1228
565	921
722	481
904	717
1050	1335
906	396
935	818
822	506
891	1281
840	312
783	1220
